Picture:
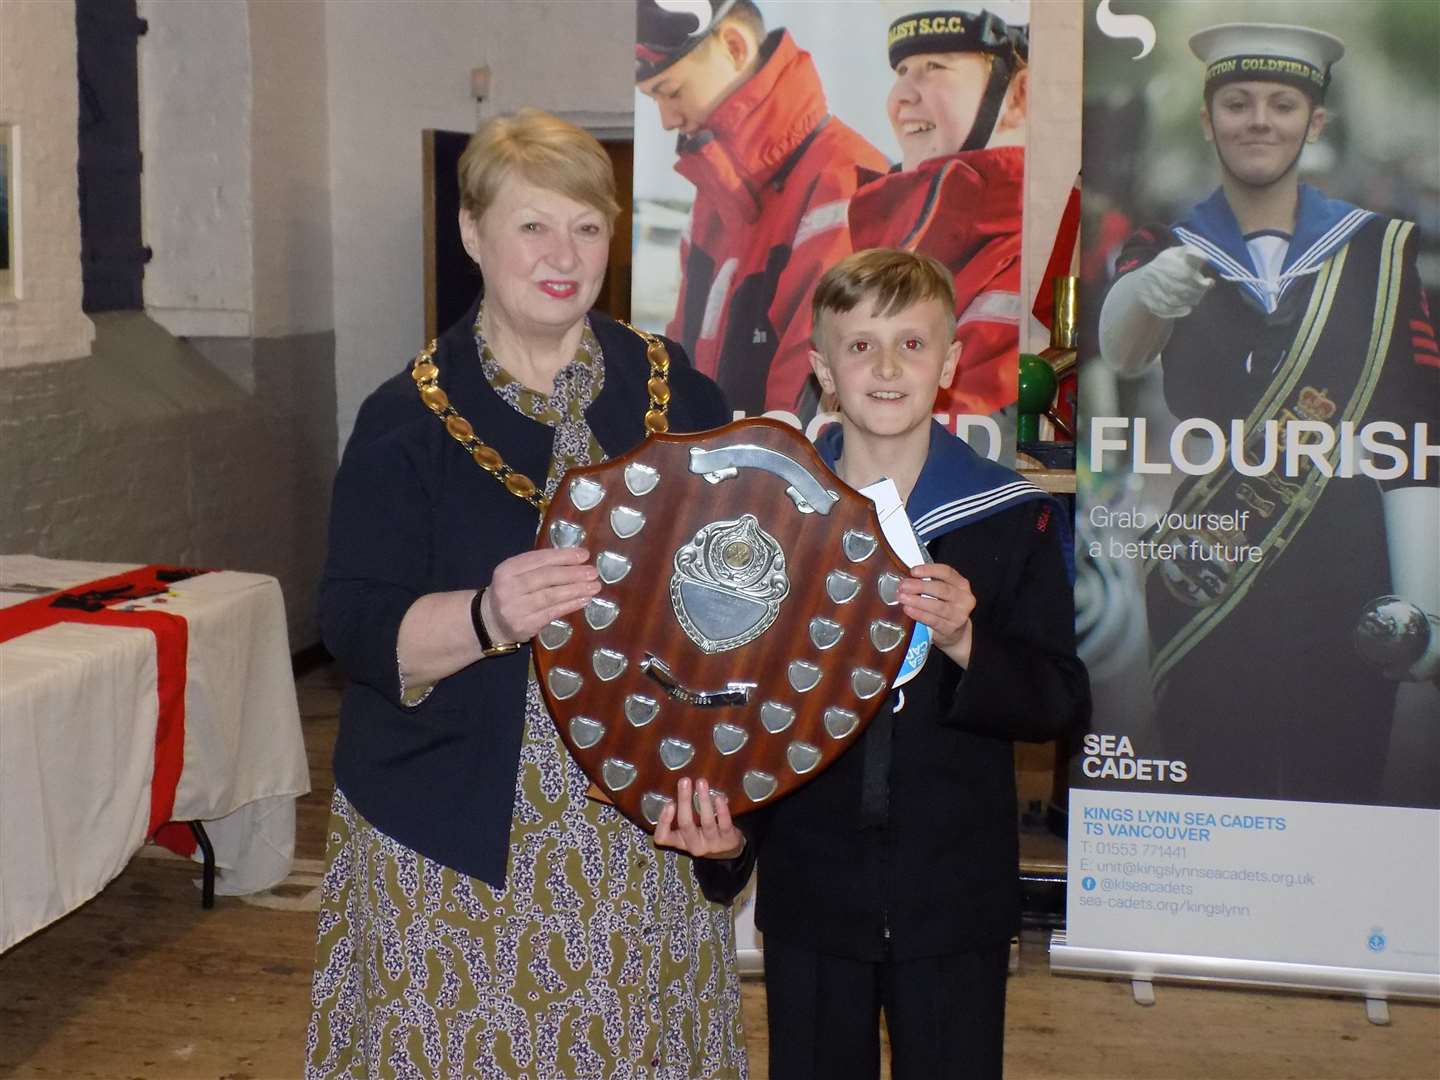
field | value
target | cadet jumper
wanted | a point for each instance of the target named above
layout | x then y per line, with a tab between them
891	881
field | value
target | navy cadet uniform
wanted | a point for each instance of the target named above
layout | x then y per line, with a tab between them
1259	686
891	881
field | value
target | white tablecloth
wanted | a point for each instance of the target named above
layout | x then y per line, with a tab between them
78	711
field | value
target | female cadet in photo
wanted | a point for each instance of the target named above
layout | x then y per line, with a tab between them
958	107
1274	306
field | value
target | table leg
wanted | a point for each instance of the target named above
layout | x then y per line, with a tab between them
207	889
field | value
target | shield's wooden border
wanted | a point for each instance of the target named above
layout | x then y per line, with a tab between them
679	505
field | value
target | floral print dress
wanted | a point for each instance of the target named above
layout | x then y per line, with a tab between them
599	958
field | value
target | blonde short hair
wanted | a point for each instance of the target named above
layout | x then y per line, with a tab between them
543	150
890	278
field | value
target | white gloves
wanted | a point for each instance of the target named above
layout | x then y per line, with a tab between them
1172	283
1141	308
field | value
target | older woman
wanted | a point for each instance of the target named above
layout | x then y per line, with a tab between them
481	916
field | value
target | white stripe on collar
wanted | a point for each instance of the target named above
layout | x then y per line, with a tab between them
1306	264
1238	273
1337	234
932	521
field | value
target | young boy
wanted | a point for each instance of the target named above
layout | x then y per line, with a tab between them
892	881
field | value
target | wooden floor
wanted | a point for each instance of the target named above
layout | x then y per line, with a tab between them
142	983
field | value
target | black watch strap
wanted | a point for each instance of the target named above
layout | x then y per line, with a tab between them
488	646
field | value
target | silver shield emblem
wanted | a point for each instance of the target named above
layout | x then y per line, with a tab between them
640	479
728	584
758	785
652	804
585	493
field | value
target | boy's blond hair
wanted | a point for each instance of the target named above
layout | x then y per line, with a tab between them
890	278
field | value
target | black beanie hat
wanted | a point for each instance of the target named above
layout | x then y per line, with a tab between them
955	31
666	30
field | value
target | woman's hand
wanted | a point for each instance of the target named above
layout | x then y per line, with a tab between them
710	835
935	594
529	589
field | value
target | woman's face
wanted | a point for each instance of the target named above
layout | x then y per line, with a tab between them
933	103
1259	129
542	254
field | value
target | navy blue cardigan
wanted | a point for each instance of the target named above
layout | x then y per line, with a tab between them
413	514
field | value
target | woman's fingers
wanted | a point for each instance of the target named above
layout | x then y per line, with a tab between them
676	827
932	614
537	558
698	822
928	584
535	570
665	828
566	605
529	579
942	627
705	819
684	807
530	589
723	822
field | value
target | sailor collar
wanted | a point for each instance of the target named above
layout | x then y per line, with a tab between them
955	487
1322	226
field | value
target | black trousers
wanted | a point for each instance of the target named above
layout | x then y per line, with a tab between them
945	1015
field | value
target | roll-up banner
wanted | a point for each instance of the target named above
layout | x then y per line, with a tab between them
1258	512
773	138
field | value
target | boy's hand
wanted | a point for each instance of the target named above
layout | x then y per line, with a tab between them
710	834
935	594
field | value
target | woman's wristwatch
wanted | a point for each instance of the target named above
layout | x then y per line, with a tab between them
488	646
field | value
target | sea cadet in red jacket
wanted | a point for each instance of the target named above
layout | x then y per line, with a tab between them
958	110
773	174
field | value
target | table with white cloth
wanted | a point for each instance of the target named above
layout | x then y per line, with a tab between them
79	711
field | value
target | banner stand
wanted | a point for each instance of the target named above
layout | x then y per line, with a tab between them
1256	803
1143	969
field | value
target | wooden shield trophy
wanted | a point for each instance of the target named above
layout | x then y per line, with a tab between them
747	626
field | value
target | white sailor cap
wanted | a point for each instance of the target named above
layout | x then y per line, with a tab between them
1267	52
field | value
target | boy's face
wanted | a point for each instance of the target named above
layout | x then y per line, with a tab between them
933	104
884	370
688	91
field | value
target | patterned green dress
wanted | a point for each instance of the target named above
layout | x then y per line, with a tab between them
599	959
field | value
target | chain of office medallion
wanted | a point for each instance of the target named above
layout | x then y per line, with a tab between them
426	374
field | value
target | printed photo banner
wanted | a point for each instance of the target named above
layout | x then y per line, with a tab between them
1258	597
747	191
774	138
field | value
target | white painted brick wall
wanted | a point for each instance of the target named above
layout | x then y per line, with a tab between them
39	95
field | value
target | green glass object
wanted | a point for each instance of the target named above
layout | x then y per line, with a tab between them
1037	394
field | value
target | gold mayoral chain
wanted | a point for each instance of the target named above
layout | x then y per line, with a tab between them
426	374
